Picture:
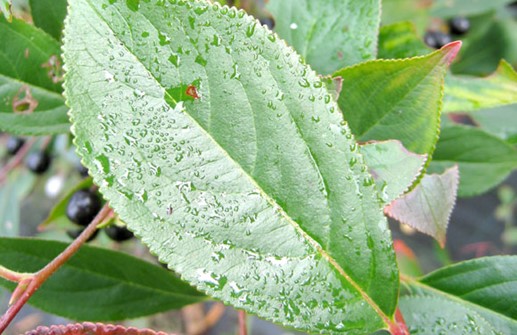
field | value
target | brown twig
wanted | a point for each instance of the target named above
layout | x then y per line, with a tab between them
41	276
243	329
16	160
214	314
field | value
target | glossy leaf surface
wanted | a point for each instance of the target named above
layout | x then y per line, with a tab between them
29	62
397	99
484	287
393	167
466	94
49	15
428	207
226	155
96	284
484	160
329	34
400	40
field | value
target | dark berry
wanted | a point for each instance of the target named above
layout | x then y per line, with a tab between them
38	162
74	233
117	233
459	25
436	39
83	171
14	144
83	206
268	22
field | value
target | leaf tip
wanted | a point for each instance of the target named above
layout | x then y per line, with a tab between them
451	51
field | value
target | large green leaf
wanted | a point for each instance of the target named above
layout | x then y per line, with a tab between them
400	40
27	55
96	284
49	15
226	155
393	167
499	121
483	287
484	159
329	34
466	94
397	99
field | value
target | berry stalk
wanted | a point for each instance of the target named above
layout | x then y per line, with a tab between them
32	284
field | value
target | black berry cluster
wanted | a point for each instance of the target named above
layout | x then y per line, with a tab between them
457	26
81	209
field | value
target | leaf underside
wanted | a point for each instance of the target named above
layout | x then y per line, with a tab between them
393	167
428	207
226	155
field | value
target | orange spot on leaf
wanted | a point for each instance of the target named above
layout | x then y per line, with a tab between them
192	91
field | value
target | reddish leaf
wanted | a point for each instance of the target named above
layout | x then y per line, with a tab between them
88	328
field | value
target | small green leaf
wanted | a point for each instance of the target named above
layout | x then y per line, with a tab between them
397	99
49	15
30	94
451	8
400	40
247	189
428	207
467	94
96	284
329	34
483	286
484	160
499	121
57	216
393	167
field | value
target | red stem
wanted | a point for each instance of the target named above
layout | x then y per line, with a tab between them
399	327
242	323
41	276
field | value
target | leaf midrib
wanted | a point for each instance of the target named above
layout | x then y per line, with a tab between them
270	200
